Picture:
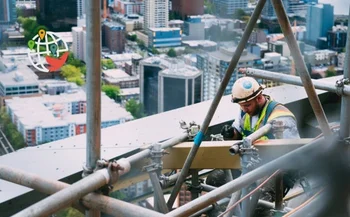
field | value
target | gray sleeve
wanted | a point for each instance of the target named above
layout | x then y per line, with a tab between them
237	123
291	129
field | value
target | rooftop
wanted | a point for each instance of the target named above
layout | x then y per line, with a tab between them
115	73
196	43
164	29
226	54
130	91
15	72
123	57
39	110
181	71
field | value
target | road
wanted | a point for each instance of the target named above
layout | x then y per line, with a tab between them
5	146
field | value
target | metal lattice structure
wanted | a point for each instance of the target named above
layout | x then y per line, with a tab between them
87	195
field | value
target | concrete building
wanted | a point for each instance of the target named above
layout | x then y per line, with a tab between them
156	14
282	47
81	8
321	57
226	8
184	8
120	78
114	36
129	6
214	66
79	42
176	24
50	118
8	14
179	87
319	21
16	78
132	22
258	36
297	8
56	87
158	78
164	37
194	29
336	38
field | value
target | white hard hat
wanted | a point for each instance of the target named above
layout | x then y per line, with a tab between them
245	89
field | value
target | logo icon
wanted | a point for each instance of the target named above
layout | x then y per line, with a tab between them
48	52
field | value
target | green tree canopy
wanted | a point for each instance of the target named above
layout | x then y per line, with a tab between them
141	44
154	50
71	60
108	63
111	91
239	14
172	52
15	138
72	74
134	108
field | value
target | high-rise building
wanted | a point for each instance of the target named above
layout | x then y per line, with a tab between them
156	14
336	38
194	28
268	11
167	84
297	7
8	12
319	21
179	87
129	7
114	36
214	66
79	42
57	15
226	8
81	8
196	7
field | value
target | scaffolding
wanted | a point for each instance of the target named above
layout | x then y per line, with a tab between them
87	195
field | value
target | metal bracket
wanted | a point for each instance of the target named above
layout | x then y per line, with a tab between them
339	84
217	137
192	128
156	155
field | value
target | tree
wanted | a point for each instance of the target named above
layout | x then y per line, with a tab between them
239	14
141	44
111	91
71	60
154	50
15	138
330	72
72	74
134	108
171	52
108	63
133	37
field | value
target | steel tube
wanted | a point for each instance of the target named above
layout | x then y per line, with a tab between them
300	157
279	191
291	79
67	196
94	201
301	67
204	127
158	193
166	144
209	208
247	143
93	88
345	103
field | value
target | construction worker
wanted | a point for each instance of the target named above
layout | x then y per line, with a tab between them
257	110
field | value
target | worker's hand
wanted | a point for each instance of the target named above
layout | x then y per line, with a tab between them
227	132
242	70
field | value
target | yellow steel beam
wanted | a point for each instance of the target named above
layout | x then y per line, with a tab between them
215	154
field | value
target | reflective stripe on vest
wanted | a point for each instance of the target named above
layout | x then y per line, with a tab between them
275	113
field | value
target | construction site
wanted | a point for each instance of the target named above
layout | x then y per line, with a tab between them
180	149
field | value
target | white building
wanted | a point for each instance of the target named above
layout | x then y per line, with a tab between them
79	42
156	14
49	118
16	78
